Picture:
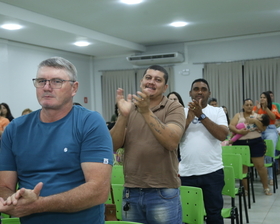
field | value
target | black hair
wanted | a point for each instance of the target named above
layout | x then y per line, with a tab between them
265	120
212	100
268	98
178	96
9	114
75	103
159	68
228	121
200	80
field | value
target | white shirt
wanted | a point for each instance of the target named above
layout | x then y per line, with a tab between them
201	152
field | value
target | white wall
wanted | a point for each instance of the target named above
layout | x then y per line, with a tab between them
18	64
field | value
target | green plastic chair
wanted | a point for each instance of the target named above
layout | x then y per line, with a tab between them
117	176
118	196
270	152
121	222
235	160
244	151
3	215
10	221
230	190
193	211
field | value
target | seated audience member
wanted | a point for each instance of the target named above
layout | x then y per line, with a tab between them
3	123
226	112
213	102
6	112
78	104
175	96
26	111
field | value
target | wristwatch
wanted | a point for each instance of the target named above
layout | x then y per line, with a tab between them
202	116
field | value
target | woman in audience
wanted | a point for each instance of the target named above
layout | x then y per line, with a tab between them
226	112
6	112
3	123
26	111
175	96
252	138
265	106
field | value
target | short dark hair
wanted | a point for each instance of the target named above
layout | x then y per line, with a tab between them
178	96
265	120
200	80
159	68
212	100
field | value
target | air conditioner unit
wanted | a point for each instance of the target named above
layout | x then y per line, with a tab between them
163	58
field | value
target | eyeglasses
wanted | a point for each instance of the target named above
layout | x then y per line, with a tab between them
54	83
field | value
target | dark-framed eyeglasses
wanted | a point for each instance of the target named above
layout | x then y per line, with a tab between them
55	83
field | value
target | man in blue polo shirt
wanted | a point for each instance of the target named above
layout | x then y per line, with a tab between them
60	155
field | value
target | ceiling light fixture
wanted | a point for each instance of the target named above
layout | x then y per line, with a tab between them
11	26
178	24
82	43
131	2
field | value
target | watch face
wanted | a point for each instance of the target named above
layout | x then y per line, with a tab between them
203	116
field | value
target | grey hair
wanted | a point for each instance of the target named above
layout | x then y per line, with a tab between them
60	63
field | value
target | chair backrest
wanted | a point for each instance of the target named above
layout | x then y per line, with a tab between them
118	196
10	221
121	222
278	144
229	188
243	150
117	176
192	205
269	148
234	160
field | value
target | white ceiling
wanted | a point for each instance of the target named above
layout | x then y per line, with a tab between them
117	29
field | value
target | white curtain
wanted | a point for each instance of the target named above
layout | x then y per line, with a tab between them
260	76
111	81
225	82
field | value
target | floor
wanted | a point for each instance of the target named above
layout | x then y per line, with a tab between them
266	209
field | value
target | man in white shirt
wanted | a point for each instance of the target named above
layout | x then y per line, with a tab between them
201	153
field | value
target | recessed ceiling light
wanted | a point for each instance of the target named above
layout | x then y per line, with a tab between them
178	24
131	2
11	26
82	43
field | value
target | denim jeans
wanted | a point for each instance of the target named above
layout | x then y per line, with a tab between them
270	133
212	185
152	205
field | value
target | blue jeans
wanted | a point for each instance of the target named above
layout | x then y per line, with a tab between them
152	205
212	185
270	133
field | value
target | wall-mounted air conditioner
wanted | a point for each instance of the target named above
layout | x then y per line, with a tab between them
162	58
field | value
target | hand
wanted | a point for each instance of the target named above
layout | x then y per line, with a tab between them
124	106
18	203
195	107
243	131
258	104
142	101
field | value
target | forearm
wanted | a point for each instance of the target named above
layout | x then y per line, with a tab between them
270	114
77	199
168	137
118	132
5	192
218	131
